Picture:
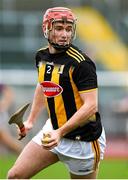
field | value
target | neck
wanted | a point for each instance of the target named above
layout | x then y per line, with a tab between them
52	50
56	50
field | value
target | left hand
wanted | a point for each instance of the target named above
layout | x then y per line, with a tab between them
24	130
51	139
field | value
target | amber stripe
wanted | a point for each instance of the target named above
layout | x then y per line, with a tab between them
77	98
97	154
59	106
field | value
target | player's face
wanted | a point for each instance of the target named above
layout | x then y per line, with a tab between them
61	33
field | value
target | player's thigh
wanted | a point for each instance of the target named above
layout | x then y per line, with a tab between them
32	159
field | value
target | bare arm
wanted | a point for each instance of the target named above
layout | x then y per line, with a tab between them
80	118
38	105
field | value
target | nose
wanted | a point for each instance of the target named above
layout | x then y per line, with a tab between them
64	34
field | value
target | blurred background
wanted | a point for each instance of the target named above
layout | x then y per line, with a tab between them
102	33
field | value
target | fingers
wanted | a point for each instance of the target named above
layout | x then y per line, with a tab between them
48	142
21	132
21	136
46	138
50	145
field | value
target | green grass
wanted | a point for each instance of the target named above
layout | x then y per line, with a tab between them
114	169
109	169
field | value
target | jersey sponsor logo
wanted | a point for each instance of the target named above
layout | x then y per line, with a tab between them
51	89
84	170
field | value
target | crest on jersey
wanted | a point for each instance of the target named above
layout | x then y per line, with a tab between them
51	89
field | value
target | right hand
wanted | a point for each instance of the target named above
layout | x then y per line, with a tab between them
27	127
51	139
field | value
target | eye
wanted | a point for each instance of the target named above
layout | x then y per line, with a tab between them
58	28
68	29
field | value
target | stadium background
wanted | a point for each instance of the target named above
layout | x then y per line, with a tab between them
102	33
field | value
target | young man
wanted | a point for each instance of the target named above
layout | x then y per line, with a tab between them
67	85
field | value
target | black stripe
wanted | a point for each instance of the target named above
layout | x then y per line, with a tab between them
67	95
51	105
50	101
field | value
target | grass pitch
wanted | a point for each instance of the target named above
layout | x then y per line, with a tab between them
109	169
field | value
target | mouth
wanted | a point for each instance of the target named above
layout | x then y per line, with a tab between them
62	42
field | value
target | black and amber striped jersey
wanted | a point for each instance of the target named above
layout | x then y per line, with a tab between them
63	77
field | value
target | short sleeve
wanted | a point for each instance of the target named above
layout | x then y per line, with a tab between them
84	75
37	59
